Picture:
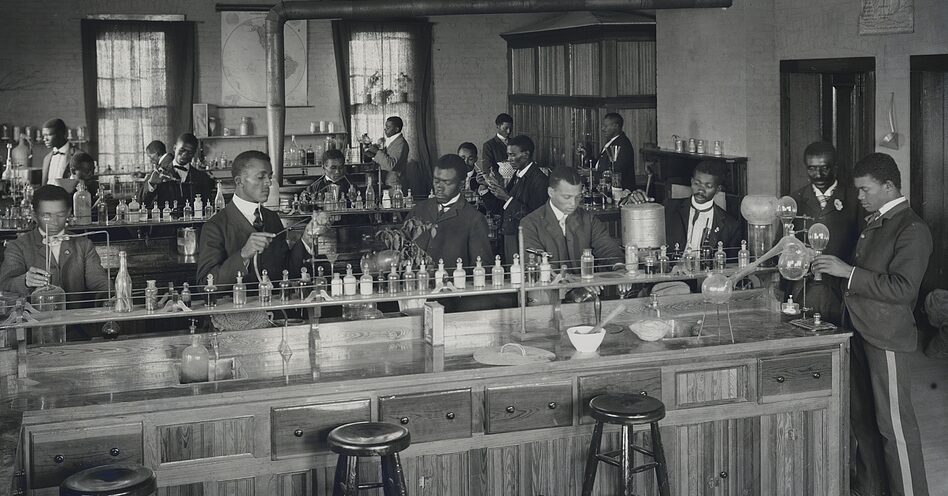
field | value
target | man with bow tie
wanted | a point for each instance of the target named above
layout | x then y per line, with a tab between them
175	179
74	264
696	221
334	163
525	192
880	292
56	162
828	201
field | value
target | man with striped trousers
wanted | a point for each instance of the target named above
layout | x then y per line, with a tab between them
880	291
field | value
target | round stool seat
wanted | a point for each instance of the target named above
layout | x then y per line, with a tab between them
369	439
120	479
626	409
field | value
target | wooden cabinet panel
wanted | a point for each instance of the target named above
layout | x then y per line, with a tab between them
647	381
195	489
55	455
635	68
302	430
437	475
584	69
523	67
552	69
495	471
430	416
710	387
807	375
207	439
794	453
717	458
517	408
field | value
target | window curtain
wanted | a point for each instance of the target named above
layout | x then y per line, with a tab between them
138	86
384	69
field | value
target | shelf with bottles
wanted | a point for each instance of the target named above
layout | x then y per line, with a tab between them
286	137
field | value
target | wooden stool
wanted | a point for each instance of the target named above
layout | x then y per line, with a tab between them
120	479
626	410
351	441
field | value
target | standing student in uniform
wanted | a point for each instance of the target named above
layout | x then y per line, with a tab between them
525	192
880	291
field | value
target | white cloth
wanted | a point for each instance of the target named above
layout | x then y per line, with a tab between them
58	164
560	217
520	174
606	147
446	205
824	196
247	208
54	244
696	227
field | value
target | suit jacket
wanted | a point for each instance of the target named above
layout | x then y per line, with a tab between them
890	261
527	194
724	227
461	233
322	184
78	269
197	183
225	234
583	230
49	158
625	162
494	150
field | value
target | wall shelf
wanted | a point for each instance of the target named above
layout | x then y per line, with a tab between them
264	136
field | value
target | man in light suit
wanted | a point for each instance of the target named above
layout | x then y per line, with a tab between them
393	158
881	289
56	162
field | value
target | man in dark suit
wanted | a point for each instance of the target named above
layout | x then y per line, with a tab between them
175	179
525	192
625	159
495	152
461	229
881	289
334	163
56	162
696	221
829	202
564	229
155	151
245	232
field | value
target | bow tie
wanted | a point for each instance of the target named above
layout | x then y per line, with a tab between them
181	167
58	152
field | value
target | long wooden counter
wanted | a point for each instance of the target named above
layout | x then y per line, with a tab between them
767	414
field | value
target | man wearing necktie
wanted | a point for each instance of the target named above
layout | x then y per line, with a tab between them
495	152
334	163
525	192
696	221
830	202
56	162
881	289
175	179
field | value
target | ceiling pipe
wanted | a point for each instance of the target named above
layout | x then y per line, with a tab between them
374	9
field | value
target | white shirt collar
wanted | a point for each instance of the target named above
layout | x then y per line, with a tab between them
560	215
890	205
610	142
701	206
829	191
64	149
246	208
523	172
390	139
501	138
450	202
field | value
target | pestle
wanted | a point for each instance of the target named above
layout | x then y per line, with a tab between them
599	325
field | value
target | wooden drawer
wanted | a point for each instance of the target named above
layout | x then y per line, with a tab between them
302	430
429	416
646	381
801	375
55	455
518	408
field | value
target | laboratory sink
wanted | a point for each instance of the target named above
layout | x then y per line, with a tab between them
222	369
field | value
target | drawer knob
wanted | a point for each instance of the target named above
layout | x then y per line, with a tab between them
449	416
781	379
816	375
59	458
298	433
510	409
643	393
403	420
115	452
723	475
551	405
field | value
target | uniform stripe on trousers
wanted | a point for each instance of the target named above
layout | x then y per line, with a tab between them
896	416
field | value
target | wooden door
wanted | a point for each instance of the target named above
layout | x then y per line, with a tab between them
719	458
929	156
793	453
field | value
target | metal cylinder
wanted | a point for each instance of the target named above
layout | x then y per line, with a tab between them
643	225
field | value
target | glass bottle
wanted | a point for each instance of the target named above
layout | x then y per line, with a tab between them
353	193
369	194
155	213
480	274
121	212
386	199
103	216
720	259
240	291
188	210
219	203
194	360
143	213
350	285
707	258
422	281
359	203
265	288
186	295
171	296
365	283
304	283
410	280
198	207
335	285
587	264
166	213
123	286
82	204
460	275
393	279
441	275
319	283
134	209
398	200
151	296
210	292
409	199
516	271
650	263
663	263
531	270
497	273
174	209
546	270
743	256
632	260
285	287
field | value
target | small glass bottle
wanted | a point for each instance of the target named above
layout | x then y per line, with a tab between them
219	203
423	282
720	259
188	210
174	209
172	295
398	200
358	203
133	210
240	291
143	213
365	284
440	275
410	279
460	275
265	288
650	263
186	295
393	279
155	213
546	270
210	292
516	271
151	296
198	207
319	283
304	283
587	264
664	266
103	213
350	284
409	199
631	260
369	195
123	286
121	212
531	270
386	200
497	273
335	285
480	275
166	213
707	258
285	287
743	256
194	360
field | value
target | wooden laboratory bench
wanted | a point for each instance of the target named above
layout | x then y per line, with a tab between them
766	414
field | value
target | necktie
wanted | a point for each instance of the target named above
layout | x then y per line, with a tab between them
563	225
823	198
257	220
872	218
698	213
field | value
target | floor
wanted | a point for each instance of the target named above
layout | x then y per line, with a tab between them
930	394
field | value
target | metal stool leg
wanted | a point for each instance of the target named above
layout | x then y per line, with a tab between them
346	482
626	440
592	463
661	469
393	478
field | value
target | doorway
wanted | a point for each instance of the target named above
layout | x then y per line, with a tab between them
928	154
830	100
